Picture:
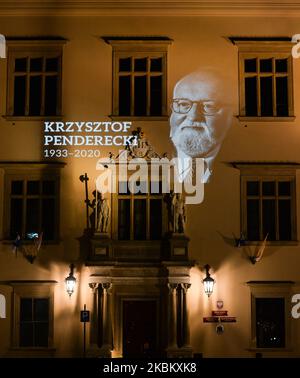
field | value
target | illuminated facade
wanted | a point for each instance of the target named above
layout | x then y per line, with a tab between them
142	283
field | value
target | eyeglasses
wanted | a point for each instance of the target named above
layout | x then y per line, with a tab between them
183	106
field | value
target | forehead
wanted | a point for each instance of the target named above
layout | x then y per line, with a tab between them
198	87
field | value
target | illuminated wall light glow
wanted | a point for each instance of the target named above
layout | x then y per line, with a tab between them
208	282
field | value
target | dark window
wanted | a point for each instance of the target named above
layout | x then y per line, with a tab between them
140	214
21	65
266	84
125	65
156	65
124	219
156	95
266	95
265	65
253	188
140	217
34	322
253	220
270	322
140	95
250	65
140	86
281	65
251	96
282	96
51	95
269	210
155	219
20	95
124	95
36	64
33	208
36	86
140	65
52	64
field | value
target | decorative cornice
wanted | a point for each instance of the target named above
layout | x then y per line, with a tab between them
236	40
275	164
270	283
142	39
150	8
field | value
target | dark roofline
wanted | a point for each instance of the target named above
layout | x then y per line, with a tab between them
35	38
108	38
260	39
264	163
271	282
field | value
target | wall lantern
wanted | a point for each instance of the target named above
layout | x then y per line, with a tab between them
208	282
70	281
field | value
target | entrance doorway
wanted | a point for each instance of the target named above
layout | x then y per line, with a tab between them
140	329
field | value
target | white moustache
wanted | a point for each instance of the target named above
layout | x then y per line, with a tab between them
200	125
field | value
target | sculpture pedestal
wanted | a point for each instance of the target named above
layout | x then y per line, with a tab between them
101	235
100	246
177	246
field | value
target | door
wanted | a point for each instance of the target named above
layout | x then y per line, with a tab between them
139	329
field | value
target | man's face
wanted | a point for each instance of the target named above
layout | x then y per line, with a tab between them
199	118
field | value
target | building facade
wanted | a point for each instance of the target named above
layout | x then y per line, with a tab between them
119	62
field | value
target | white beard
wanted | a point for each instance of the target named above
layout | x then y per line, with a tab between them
194	143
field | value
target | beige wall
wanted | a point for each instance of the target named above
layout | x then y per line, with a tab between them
87	72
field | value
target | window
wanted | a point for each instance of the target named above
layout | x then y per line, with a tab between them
268	202
270	319
34	322
265	79
270	322
34	78
140	215
139	76
32	202
33	314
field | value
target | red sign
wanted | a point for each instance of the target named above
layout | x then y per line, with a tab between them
210	319
219	313
228	319
222	319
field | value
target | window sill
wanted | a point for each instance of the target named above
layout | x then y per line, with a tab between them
266	119
142	118
274	243
32	118
44	242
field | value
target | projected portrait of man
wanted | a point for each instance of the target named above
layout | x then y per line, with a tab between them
201	116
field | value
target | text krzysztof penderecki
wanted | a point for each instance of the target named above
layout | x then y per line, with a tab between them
54	134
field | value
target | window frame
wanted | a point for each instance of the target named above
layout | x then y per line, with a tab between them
265	172
132	197
264	50
32	48
27	172
271	289
138	48
32	289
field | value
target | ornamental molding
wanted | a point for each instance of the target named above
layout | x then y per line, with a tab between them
151	8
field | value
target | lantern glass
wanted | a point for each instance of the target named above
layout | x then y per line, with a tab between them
208	285
70	281
70	285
